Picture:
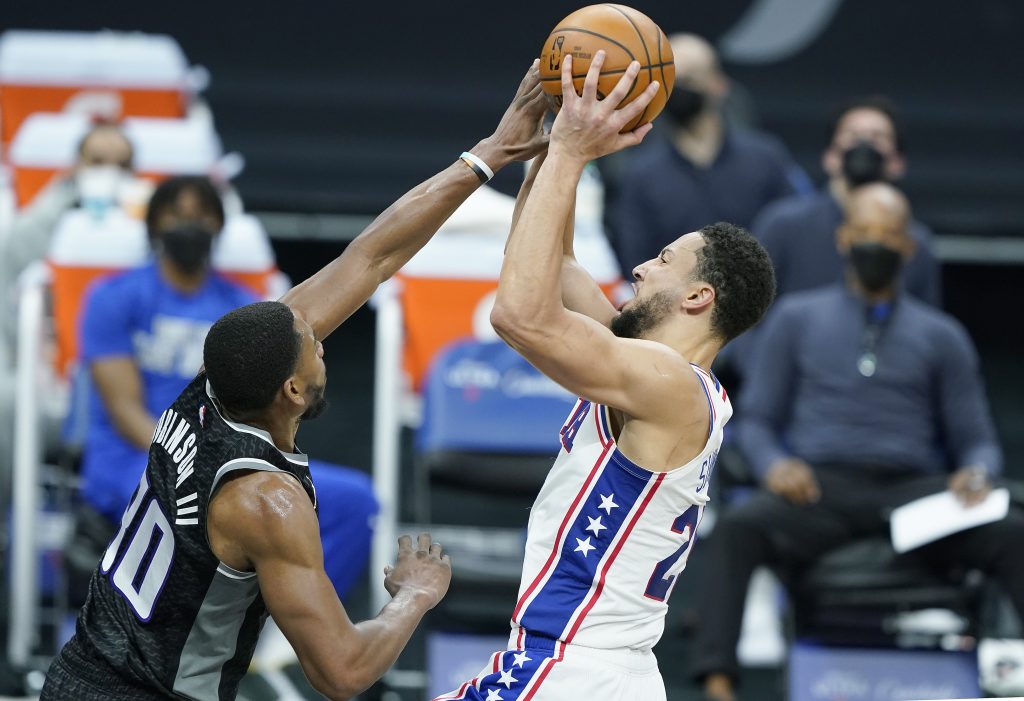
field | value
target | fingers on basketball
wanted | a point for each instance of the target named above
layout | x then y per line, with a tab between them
593	76
568	93
625	35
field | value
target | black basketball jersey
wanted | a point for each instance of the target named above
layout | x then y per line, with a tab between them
162	610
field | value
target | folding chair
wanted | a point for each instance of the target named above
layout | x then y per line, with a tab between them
113	74
84	249
490	425
46	144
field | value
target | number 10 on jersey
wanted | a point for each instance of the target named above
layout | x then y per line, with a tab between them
142	571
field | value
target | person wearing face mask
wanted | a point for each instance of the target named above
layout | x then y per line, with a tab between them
142	333
696	170
142	341
104	160
866	144
859	398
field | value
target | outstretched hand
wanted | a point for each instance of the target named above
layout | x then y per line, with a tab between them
588	127
520	135
425	571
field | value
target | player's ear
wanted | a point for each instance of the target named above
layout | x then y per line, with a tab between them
292	391
698	296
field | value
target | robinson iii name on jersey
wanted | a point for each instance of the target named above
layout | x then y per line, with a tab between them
175	435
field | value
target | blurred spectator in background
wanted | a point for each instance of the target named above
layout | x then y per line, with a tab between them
860	399
142	342
866	144
104	161
701	171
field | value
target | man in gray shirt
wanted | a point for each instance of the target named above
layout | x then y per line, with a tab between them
860	398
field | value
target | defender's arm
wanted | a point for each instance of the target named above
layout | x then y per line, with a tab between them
265	522
335	292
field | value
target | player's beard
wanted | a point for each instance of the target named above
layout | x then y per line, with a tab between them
318	403
643	316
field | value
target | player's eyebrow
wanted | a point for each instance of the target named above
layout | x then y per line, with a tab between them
665	253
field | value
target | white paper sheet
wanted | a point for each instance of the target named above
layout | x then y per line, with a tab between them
930	518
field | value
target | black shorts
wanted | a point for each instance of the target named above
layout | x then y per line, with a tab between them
75	675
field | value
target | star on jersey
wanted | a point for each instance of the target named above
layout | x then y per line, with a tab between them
520	658
493	695
507	679
608	503
584	546
595	526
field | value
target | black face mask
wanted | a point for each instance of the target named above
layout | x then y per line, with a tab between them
188	246
684	104
863	163
876	265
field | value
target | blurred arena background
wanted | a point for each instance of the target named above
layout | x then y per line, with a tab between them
337	109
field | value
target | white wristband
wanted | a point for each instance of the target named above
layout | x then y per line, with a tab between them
479	162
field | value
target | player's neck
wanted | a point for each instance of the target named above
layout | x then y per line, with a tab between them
695	344
282	430
283	434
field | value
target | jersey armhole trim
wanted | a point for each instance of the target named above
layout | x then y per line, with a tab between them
250	464
707	394
232	573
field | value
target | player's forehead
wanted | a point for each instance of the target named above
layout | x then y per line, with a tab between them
686	244
303	328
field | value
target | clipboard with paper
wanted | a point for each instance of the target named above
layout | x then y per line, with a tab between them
930	518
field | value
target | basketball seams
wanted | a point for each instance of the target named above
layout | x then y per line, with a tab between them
595	34
614	71
661	67
596	25
640	36
647	53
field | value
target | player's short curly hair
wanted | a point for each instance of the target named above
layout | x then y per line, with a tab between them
737	266
249	353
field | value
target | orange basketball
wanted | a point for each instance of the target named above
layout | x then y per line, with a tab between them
626	35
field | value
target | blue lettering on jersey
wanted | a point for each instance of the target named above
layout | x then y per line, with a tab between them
572	426
665	571
706	468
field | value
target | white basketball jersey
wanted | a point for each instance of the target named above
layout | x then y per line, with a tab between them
608	539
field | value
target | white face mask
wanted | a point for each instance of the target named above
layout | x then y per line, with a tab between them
99	186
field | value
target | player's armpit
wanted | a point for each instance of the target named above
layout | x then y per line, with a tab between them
646	380
264	521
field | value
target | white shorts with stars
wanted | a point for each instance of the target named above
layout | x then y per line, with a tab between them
546	670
